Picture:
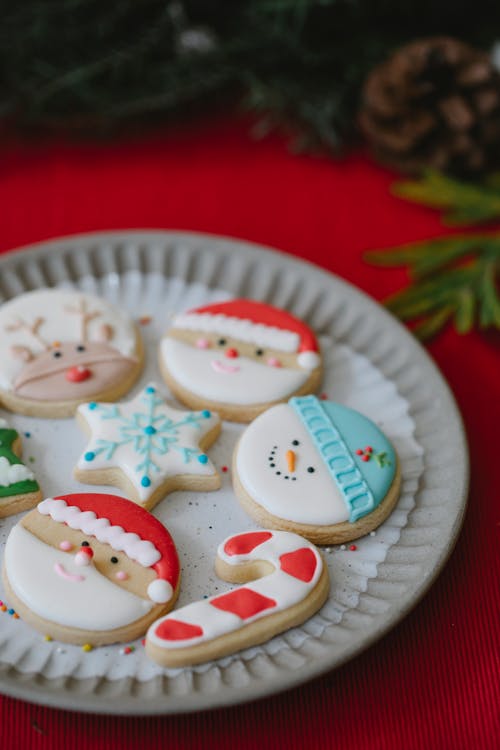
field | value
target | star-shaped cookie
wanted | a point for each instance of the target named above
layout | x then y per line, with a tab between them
147	448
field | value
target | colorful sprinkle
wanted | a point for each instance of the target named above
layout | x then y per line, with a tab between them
87	647
144	320
27	434
47	638
353	548
224	469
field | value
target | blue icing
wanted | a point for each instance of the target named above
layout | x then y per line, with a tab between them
338	432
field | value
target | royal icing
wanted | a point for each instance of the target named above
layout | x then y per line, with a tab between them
61	584
48	581
148	440
232	374
60	344
329	482
297	567
15	477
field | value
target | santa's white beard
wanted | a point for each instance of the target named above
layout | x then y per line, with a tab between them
92	604
252	383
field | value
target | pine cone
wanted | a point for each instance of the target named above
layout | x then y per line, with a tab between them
434	103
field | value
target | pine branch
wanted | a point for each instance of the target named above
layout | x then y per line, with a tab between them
455	279
464	203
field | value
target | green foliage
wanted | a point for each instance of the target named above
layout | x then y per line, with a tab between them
464	202
96	66
455	279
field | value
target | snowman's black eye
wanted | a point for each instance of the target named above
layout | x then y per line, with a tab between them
259	352
57	354
84	544
80	348
222	342
295	442
311	469
114	559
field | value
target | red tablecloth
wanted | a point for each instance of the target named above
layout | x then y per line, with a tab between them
432	682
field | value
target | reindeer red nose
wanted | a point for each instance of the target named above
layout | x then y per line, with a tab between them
78	374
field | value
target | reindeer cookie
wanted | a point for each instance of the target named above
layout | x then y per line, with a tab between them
90	568
60	348
239	357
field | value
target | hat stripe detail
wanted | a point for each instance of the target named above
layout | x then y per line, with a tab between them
243	330
334	452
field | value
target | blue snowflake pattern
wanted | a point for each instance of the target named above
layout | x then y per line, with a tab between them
149	433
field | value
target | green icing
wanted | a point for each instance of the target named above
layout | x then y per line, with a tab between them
8	436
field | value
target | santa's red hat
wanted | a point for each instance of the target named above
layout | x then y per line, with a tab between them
256	323
126	527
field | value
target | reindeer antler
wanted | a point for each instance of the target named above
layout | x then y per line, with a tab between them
32	328
85	315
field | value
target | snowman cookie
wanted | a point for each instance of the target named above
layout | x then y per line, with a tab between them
60	347
285	581
147	448
19	489
316	468
90	568
239	358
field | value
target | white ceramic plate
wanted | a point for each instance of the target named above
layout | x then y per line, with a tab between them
372	364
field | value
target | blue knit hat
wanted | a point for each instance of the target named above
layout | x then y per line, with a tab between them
357	454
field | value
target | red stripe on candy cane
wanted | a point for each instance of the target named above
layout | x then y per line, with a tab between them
243	602
243	544
301	564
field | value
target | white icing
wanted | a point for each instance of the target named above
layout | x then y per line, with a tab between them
142	551
308	360
58	325
242	329
312	498
252	383
160	591
284	589
94	603
126	432
12	473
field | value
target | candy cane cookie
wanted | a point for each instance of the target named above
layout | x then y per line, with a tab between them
289	583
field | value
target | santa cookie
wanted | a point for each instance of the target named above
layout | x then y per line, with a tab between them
239	358
90	568
59	348
19	489
316	468
292	585
147	448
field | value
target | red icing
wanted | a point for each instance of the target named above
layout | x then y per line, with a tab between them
231	353
78	374
242	544
243	602
132	518
300	564
258	312
176	630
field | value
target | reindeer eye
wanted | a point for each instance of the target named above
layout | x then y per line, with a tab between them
114	559
259	352
80	348
222	342
85	544
57	354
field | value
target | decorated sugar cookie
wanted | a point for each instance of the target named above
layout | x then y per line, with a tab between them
59	348
19	489
90	568
239	357
292	585
316	468
147	448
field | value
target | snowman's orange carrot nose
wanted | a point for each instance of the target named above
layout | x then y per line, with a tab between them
290	459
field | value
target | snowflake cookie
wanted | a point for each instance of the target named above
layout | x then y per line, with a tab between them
147	448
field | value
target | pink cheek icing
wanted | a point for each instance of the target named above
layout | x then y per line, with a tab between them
202	344
274	362
65	546
121	575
